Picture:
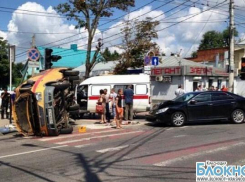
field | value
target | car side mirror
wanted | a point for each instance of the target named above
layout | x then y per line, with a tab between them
192	102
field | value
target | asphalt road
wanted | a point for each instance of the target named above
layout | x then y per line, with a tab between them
136	153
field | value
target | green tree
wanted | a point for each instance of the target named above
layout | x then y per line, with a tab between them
194	54
91	11
4	63
215	39
108	56
17	76
138	40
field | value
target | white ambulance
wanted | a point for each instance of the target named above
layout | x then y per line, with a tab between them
88	92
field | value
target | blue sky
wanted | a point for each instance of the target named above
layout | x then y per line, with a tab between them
183	37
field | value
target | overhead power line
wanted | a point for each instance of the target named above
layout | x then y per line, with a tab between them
165	27
23	53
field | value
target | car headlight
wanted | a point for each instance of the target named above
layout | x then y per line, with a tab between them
38	96
162	110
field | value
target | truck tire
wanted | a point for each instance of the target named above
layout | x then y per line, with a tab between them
61	85
67	130
73	107
71	73
72	78
76	112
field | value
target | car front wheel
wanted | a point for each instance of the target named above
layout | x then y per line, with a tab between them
178	119
237	116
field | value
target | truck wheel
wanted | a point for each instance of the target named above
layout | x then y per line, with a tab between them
76	112
61	85
71	78
73	108
71	73
67	130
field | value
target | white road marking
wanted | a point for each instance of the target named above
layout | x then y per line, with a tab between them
33	151
178	159
84	145
184	127
178	136
169	128
74	135
104	136
112	149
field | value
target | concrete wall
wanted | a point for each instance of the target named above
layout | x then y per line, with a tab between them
240	87
164	91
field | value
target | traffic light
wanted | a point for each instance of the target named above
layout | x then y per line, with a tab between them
49	58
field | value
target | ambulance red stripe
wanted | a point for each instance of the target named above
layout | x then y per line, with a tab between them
135	97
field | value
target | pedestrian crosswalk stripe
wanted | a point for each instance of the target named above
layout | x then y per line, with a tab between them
74	135
95	137
112	149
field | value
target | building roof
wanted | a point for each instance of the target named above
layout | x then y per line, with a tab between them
165	61
176	61
71	58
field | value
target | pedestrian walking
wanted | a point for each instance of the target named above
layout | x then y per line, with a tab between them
224	89
100	107
107	106
5	96
113	97
119	109
180	91
128	96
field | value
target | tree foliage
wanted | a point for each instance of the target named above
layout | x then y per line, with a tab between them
110	56
87	13
138	40
215	39
4	66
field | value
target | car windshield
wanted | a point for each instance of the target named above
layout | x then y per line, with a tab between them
184	98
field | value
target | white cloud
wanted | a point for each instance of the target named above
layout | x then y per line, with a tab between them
3	34
50	23
182	36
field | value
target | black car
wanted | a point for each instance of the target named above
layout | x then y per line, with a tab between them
200	106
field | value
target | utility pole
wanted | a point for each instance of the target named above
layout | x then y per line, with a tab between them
33	44
10	69
231	51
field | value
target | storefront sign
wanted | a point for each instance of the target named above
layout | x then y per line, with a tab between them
166	71
196	70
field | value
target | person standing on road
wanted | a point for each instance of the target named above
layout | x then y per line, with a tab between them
113	97
128	95
107	106
180	91
5	103
102	101
119	109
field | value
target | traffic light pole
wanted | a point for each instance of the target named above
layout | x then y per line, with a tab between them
232	43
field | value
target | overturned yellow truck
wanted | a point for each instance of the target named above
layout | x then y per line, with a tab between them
44	103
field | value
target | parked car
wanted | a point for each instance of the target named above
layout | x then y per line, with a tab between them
200	106
44	103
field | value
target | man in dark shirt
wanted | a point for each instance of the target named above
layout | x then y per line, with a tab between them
128	95
5	96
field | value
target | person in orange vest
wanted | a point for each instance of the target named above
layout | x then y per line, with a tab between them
224	89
